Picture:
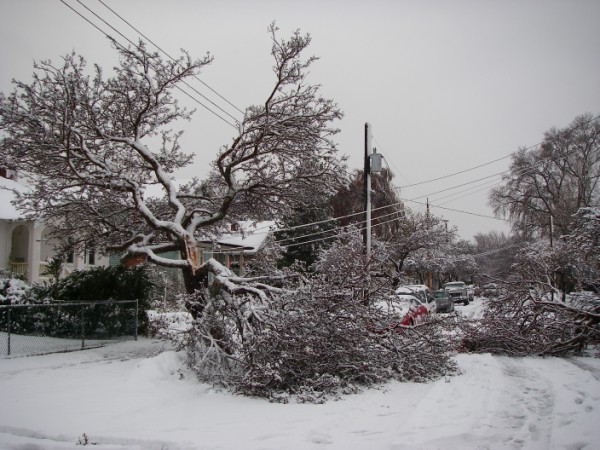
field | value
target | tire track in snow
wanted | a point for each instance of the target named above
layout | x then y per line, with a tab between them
594	371
577	413
529	407
446	418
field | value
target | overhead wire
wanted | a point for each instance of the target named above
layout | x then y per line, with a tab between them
459	172
355	229
527	169
496	250
172	58
458	210
132	43
469	191
183	81
531	147
460	185
359	229
388	162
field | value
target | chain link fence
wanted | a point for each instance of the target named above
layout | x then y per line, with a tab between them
27	330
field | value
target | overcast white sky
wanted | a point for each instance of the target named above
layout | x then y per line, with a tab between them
446	85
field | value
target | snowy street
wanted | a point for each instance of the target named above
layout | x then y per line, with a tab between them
139	395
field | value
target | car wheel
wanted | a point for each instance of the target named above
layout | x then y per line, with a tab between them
466	302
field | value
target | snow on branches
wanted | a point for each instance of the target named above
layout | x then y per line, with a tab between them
88	144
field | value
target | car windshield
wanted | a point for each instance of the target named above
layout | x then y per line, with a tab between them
407	290
440	294
455	285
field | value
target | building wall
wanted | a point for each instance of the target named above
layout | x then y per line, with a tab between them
4	244
25	248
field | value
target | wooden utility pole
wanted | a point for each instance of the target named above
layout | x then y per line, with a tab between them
367	192
428	281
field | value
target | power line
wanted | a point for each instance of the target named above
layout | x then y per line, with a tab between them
173	59
458	173
461	185
183	81
491	252
528	169
127	39
531	147
458	210
354	229
470	191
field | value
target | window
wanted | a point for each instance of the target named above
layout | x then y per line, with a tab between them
90	255
70	251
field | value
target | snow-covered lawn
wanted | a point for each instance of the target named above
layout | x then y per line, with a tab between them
139	395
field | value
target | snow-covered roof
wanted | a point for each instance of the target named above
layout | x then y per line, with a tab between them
251	237
7	195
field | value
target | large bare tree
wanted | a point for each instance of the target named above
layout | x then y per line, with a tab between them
92	146
552	181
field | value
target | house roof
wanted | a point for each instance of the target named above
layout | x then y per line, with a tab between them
250	238
7	194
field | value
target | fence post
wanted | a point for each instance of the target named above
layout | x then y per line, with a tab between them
82	328
136	320
8	331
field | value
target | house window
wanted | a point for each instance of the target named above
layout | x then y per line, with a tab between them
70	252
90	255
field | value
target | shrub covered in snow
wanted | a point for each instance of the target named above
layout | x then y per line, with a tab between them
113	283
105	283
15	291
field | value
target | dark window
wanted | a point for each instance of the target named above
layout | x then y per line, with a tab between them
90	255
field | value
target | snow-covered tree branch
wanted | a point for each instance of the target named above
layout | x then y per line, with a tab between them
88	144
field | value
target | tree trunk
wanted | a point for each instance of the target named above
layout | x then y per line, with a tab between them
195	279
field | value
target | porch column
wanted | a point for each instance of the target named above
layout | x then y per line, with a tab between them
34	251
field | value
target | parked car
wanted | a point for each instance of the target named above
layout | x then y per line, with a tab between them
443	302
402	310
421	288
489	290
420	291
458	291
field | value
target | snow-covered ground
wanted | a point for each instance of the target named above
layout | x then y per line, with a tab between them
139	395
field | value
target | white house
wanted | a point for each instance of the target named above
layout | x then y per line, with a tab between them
25	245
